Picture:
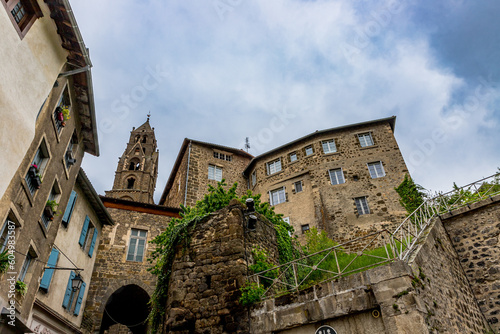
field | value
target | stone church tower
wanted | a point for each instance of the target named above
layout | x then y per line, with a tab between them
135	177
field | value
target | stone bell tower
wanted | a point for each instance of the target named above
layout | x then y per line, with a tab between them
135	176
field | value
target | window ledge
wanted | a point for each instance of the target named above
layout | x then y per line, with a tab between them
331	153
274	174
368	147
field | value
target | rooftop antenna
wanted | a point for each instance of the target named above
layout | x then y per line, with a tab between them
247	143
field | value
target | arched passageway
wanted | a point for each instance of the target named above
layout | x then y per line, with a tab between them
127	306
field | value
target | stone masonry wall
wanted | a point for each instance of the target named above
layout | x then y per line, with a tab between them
112	270
332	207
203	292
475	235
444	295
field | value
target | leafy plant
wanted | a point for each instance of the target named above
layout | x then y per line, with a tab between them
4	261
260	257
21	288
65	112
52	204
412	195
251	293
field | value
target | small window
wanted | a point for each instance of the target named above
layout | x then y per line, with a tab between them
214	173
286	220
293	156
309	150
9	225
297	186
138	239
144	139
329	146
50	209
273	166
336	176
88	237
130	183
365	139
27	264
34	176
304	228
362	205
277	196
23	14
73	299
254	178
134	164
70	156
376	169
223	156
61	113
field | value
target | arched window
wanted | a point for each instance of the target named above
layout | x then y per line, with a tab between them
144	139
137	138
134	164
130	183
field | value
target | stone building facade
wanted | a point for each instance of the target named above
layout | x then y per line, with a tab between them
135	177
121	283
48	59
200	164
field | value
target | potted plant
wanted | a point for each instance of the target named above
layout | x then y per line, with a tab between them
34	175
50	209
4	261
21	288
62	114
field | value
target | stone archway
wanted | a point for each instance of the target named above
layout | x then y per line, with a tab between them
128	306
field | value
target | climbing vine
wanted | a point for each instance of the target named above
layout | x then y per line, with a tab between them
178	233
411	194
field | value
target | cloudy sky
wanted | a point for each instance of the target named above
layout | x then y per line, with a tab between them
223	70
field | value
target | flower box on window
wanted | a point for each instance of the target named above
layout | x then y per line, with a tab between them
62	113
50	209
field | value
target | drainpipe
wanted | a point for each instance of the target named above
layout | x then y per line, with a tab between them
187	174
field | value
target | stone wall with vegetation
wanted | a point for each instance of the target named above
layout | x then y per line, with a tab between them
475	233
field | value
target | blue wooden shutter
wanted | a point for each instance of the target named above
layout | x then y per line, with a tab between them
94	238
47	275
84	231
69	207
80	299
67	295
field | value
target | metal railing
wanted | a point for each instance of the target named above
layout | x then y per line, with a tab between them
374	249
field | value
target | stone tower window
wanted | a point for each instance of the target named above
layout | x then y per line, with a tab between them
134	164
362	205
144	139
365	139
130	183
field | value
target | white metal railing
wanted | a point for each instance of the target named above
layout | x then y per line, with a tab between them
374	249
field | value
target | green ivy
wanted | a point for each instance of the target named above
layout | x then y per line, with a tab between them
251	293
411	194
178	233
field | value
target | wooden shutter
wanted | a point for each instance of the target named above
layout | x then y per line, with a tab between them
69	208
47	275
67	295
94	238
84	231
80	299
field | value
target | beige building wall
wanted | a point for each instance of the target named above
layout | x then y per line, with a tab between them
28	70
71	255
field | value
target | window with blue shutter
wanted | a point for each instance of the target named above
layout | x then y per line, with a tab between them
92	245
47	275
80	299
83	235
67	296
69	208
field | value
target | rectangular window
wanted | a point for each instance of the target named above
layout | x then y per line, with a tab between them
223	156
309	150
365	139
138	239
362	205
23	14
277	196
376	169
293	157
273	166
88	237
26	265
34	176
61	113
254	178
4	234
329	146
49	211
214	173
73	298
304	228
70	156
297	186
336	176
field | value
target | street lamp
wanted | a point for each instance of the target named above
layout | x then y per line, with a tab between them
76	282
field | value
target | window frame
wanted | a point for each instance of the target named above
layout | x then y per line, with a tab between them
372	169
306	149
305	228
41	160
278	191
364	142
328	142
361	203
138	238
293	154
335	170
214	175
271	165
301	185
32	13
253	178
